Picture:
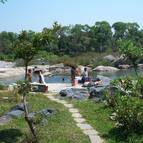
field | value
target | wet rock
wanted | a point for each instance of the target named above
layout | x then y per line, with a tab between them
124	66
105	68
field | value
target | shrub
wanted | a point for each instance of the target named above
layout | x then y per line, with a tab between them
129	112
125	102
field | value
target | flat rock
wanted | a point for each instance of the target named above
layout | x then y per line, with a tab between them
73	110
90	132
5	119
95	139
76	115
105	68
84	126
68	105
79	120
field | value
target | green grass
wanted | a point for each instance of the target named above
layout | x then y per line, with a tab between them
60	128
97	115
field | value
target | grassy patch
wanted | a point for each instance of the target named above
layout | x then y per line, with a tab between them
97	115
60	128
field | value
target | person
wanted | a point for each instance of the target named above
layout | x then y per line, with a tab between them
29	75
73	71
41	78
84	75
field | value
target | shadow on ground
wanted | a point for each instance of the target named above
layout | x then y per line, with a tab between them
10	135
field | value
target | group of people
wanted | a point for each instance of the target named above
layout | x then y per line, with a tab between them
83	76
77	72
40	76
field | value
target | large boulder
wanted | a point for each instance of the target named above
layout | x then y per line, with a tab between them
105	68
97	91
110	58
75	93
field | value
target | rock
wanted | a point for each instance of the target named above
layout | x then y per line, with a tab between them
5	119
98	91
15	113
110	58
105	68
120	61
140	65
124	66
19	106
4	64
75	93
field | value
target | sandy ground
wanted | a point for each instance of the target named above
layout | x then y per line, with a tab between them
16	71
9	72
57	87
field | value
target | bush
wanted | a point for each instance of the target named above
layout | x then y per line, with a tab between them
125	102
2	86
129	112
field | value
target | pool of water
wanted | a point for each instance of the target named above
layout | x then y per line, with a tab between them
120	73
51	79
66	78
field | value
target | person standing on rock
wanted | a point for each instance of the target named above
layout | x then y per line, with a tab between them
41	78
29	75
73	72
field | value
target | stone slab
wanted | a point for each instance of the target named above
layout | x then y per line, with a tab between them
90	132
68	105
95	139
84	126
76	115
73	110
79	120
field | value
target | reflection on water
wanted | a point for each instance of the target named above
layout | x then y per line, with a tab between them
120	73
66	78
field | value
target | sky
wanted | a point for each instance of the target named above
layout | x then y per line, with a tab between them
18	15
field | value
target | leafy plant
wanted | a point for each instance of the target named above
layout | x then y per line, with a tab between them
128	112
132	52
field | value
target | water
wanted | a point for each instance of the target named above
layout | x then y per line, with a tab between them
51	79
59	78
118	74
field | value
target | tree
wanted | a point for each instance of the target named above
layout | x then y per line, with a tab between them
132	52
101	34
26	48
3	1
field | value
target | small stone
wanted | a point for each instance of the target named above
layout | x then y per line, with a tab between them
90	132
62	101
68	105
95	139
79	120
84	126
73	110
76	115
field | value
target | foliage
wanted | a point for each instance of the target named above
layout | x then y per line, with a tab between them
74	40
132	52
26	47
126	103
2	86
60	127
129	112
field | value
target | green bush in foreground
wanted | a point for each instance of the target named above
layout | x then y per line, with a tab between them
126	103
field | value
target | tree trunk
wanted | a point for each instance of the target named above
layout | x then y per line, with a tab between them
27	119
26	67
